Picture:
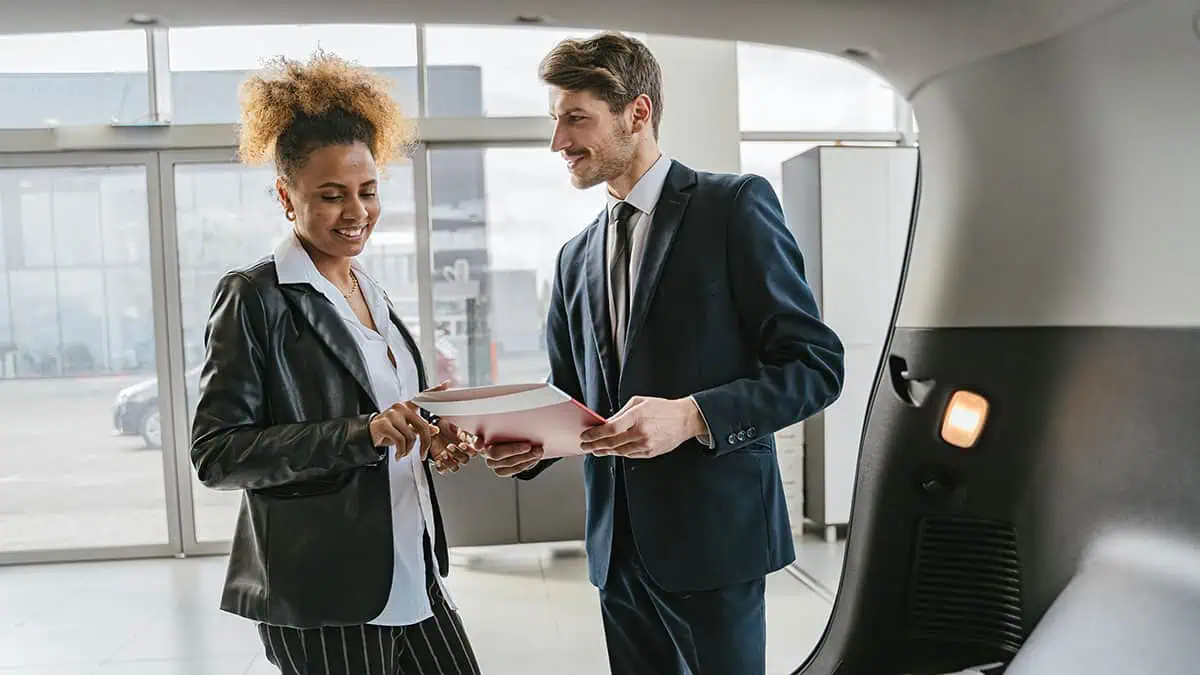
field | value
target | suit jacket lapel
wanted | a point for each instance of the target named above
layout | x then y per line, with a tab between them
330	328
597	292
668	214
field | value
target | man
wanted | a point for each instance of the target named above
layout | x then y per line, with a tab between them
682	315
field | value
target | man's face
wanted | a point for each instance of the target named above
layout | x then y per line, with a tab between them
597	144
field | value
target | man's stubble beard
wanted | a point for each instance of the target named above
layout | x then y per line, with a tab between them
618	156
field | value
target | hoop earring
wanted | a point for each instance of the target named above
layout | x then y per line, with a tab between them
290	215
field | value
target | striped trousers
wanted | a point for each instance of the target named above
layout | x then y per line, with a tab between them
436	646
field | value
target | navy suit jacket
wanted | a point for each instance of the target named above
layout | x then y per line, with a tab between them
722	312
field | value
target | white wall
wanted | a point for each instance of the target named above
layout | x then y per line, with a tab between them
700	104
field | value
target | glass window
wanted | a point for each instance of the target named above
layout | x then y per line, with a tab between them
766	158
208	64
63	328
228	217
130	320
781	89
6	345
81	317
121	214
77	239
35	322
491	71
36	222
73	79
5	199
500	216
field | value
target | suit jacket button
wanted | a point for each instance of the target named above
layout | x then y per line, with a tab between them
741	435
732	439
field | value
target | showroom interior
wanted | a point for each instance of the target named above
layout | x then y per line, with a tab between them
121	204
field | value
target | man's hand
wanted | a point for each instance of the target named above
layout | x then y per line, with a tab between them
645	428
510	459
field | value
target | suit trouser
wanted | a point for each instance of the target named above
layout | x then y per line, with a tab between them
650	631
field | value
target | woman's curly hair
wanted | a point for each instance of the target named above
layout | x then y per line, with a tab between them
292	108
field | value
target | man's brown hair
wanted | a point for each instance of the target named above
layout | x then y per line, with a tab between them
612	67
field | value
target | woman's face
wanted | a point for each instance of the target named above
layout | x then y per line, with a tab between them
334	198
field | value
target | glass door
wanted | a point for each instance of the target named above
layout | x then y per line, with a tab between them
84	353
213	222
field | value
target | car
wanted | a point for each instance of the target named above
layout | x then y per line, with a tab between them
136	411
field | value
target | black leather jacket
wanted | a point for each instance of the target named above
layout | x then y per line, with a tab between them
283	411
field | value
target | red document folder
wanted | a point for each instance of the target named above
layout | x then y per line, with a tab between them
541	414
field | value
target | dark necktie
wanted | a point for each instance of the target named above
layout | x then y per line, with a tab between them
620	280
619	273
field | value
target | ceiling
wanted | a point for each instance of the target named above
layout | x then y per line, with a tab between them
910	40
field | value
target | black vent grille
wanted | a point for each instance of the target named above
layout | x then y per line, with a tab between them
967	583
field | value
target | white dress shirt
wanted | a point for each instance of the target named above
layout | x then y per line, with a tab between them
644	197
412	508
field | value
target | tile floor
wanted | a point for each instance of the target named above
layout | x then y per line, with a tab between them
159	617
821	563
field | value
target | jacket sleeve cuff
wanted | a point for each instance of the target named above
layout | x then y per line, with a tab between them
360	436
706	437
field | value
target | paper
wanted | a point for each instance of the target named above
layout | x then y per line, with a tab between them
540	414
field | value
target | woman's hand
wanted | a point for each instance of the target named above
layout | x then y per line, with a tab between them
452	448
402	425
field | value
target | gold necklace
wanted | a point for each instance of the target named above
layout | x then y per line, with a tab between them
353	287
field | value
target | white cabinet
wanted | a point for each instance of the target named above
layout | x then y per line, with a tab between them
789	447
849	209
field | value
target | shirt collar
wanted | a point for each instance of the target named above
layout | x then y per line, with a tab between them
645	193
294	266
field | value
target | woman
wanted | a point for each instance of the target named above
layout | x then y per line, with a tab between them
304	403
